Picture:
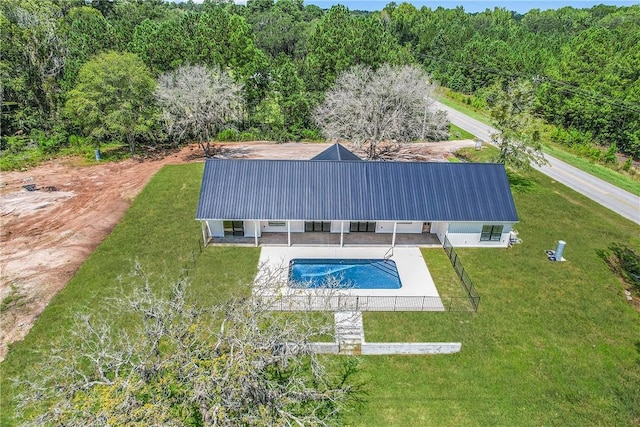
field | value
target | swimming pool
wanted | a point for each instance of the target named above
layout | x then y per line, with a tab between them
350	273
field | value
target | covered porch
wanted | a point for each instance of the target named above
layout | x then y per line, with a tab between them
329	239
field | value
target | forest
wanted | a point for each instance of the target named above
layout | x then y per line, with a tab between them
83	74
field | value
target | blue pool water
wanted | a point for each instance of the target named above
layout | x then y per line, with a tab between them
351	273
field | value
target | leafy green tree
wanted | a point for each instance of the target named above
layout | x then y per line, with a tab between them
291	95
113	99
165	45
33	57
279	27
86	34
213	38
126	15
595	85
517	139
405	22
340	41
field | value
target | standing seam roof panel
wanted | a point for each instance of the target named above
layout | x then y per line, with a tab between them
354	190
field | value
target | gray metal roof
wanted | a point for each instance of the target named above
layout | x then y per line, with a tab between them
354	190
336	152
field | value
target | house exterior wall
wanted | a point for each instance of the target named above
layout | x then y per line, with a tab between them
460	234
335	226
216	228
266	228
468	234
439	229
296	227
250	229
402	227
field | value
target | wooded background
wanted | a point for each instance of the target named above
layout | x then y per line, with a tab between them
80	73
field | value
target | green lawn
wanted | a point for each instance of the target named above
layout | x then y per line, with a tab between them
456	133
160	233
480	116
551	344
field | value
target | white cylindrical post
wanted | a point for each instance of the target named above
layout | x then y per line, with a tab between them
255	231
393	240
560	250
204	233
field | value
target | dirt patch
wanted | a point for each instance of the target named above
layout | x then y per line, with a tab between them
53	216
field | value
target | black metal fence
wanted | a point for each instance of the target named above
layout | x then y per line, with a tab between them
467	284
335	302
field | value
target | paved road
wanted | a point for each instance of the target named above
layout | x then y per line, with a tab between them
609	196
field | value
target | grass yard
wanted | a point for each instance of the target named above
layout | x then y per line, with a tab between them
480	116
456	133
551	344
160	233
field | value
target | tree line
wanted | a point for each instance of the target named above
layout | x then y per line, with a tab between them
282	57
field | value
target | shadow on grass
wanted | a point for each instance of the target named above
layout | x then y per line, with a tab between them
519	183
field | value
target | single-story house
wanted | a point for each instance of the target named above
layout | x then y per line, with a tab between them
336	192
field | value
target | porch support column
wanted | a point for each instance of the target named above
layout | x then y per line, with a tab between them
288	233
341	233
255	231
204	234
393	239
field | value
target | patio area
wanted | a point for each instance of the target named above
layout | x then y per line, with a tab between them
311	239
418	291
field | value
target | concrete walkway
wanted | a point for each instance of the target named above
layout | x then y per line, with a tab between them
331	239
349	332
412	269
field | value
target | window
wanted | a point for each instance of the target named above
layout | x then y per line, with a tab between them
366	227
234	228
277	223
491	233
317	226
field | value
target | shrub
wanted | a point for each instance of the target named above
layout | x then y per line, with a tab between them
609	156
310	135
478	103
228	135
247	136
251	135
16	144
589	151
48	144
625	262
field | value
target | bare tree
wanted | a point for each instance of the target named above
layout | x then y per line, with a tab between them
368	107
172	367
197	102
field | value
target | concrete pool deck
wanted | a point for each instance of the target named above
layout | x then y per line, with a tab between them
413	271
